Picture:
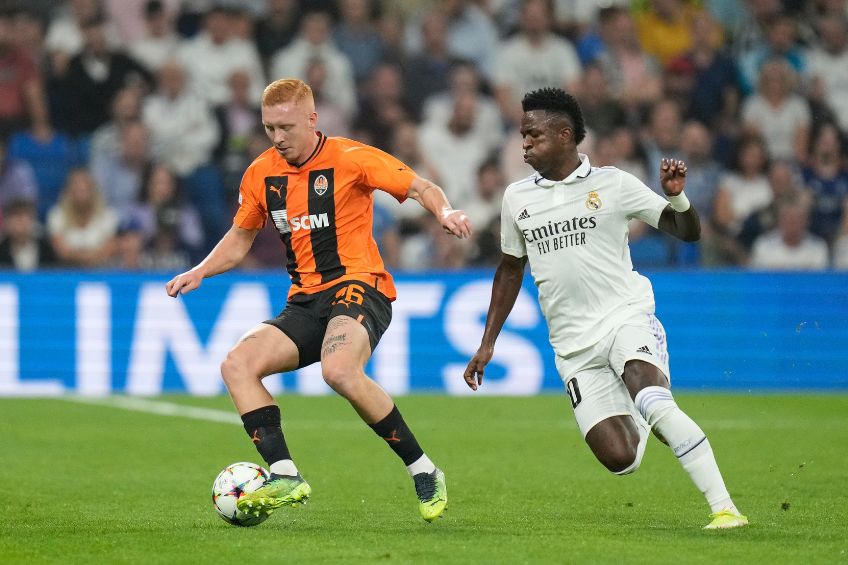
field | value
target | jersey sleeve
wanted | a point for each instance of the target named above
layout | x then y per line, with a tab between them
512	240
640	202
381	171
251	213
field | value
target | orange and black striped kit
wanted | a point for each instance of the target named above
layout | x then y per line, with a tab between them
323	211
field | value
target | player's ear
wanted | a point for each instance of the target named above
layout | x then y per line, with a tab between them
313	119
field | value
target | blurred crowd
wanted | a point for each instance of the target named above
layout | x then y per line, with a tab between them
125	125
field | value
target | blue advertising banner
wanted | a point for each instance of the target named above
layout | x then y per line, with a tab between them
101	333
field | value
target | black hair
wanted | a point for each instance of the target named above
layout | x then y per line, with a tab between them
557	101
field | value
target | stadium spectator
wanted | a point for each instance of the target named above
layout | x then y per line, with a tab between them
183	129
334	120
356	36
714	95
125	110
828	66
778	114
827	181
93	78
213	55
601	110
456	149
464	78
533	58
745	189
791	246
132	17
406	147
665	28
661	136
786	186
184	133
703	173
81	227
781	44
426	72
237	118
314	42
161	204
278	28
159	43
22	246
471	34
633	76
484	206
840	251
164	252
129	244
51	155
383	105
66	34
17	179
120	170
21	88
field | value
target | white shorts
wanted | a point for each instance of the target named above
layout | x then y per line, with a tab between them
592	376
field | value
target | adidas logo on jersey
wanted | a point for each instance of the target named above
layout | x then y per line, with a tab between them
524	215
644	349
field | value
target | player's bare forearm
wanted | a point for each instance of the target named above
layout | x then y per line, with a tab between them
228	253
433	199
505	290
679	218
682	225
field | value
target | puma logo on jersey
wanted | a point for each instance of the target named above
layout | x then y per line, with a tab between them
310	222
277	190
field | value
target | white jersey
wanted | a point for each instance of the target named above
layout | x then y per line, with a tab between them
574	233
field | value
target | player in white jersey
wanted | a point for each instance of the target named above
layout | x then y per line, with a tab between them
569	220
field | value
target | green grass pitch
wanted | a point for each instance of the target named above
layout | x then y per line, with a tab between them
95	483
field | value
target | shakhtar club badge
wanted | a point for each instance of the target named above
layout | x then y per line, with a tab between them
321	185
593	201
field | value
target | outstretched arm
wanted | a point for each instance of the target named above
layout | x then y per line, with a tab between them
505	290
679	218
227	254
433	198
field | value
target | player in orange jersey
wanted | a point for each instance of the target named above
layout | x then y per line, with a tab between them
317	192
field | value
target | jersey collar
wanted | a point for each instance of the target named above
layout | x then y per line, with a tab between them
318	147
581	172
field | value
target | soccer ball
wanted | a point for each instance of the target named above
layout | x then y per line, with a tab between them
231	484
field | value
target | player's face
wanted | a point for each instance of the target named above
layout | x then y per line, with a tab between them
543	139
291	128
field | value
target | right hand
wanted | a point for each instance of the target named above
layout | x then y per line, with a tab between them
184	283
474	372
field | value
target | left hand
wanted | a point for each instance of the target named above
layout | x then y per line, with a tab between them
672	176
456	222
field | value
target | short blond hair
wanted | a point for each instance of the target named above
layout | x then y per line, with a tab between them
286	90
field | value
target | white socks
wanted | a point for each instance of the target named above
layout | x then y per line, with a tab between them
284	467
688	442
421	465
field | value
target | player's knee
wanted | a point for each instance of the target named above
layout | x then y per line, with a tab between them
338	376
234	368
620	459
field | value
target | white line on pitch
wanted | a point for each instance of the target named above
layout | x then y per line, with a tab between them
161	408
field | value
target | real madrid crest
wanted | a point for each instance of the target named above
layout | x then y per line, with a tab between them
321	185
593	201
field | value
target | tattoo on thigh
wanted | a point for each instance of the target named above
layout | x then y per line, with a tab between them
247	337
333	344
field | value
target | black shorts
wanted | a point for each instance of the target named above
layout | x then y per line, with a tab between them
305	317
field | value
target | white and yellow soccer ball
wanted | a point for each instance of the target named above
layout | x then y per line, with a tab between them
232	483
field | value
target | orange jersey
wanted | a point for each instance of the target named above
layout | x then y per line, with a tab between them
323	211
